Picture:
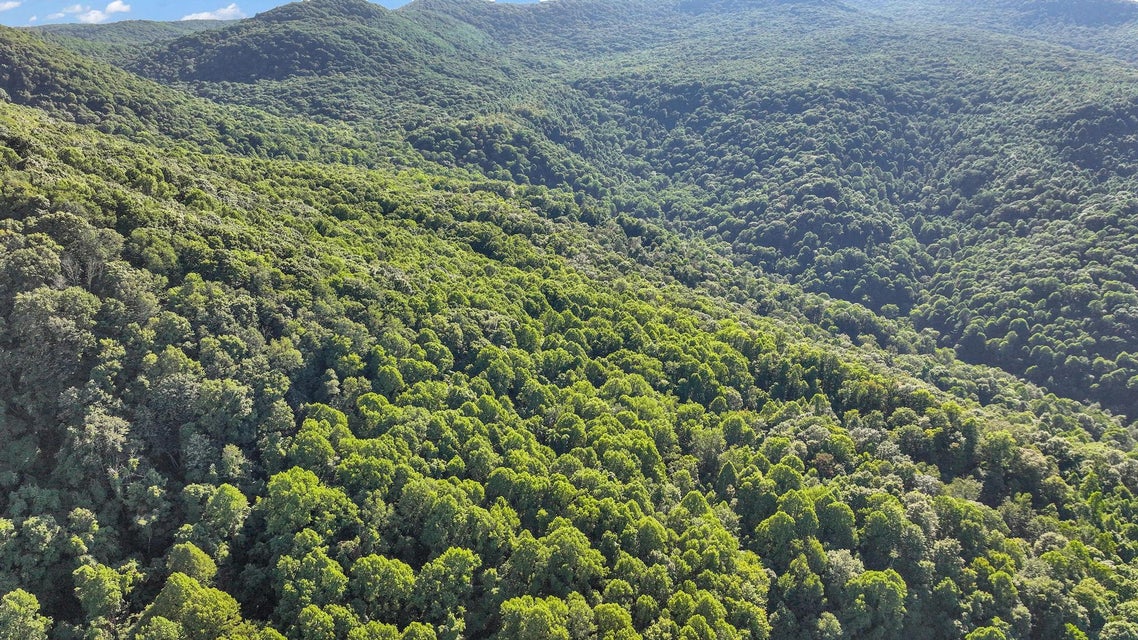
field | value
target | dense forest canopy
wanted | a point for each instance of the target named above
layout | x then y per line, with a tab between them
821	144
710	319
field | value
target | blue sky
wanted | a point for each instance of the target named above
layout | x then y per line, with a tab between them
32	12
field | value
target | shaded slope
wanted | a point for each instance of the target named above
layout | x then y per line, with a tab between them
74	88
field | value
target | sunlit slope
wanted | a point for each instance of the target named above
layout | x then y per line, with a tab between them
228	380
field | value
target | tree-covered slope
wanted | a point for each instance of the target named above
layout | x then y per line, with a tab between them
935	193
661	342
339	60
1103	26
875	160
116	41
50	77
356	399
129	32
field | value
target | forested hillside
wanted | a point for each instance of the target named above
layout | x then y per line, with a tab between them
1103	26
881	161
581	320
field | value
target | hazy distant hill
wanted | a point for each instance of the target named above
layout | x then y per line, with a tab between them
129	31
1104	26
116	41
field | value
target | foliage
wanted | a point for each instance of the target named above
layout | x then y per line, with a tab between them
659	344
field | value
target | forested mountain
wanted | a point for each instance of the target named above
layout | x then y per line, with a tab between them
874	160
583	320
335	60
75	89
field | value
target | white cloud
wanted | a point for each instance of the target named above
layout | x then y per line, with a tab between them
88	15
66	11
232	12
5	6
33	19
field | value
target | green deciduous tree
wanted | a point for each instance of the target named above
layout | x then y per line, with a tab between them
203	613
875	605
527	618
444	584
20	617
384	586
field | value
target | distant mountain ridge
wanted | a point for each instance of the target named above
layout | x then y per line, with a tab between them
1103	26
129	31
